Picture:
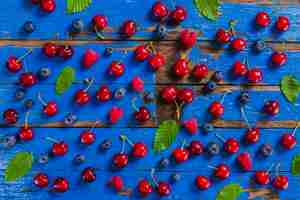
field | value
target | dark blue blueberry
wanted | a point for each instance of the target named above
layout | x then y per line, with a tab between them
210	86
43	159
266	150
165	162
28	103
79	159
20	94
44	73
259	46
70	119
77	26
106	144
9	141
207	127
149	97
176	177
120	93
108	51
244	98
29	27
218	76
161	31
213	148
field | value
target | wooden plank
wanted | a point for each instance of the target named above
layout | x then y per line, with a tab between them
118	11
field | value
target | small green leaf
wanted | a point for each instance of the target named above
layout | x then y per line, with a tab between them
208	8
75	6
296	165
64	80
18	166
230	192
165	135
290	87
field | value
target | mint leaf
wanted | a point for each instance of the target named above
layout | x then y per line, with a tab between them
296	165
208	8
64	80
18	166
75	6
230	192
165	135
290	87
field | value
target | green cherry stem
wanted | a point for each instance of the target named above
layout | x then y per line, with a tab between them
41	99
125	138
25	55
26	125
277	168
178	110
220	137
153	177
224	96
244	116
50	139
183	144
268	171
99	33
90	84
295	129
94	125
123	143
133	105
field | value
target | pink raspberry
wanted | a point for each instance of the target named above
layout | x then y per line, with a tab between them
137	84
115	114
191	125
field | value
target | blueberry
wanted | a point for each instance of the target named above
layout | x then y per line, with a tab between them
207	127
79	159
176	177
108	51
44	73
77	26
149	97
259	46
20	94
70	119
106	145
213	148
120	93
43	159
161	31
266	150
29	27
165	162
218	76
244	98
210	86
28	103
9	141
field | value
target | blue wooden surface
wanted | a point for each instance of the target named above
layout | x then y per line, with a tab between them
12	17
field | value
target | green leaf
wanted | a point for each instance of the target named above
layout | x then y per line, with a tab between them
165	135
290	87
230	192
296	165
208	8
75	6
18	166
64	80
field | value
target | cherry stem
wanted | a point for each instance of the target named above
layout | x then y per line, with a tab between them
246	61
220	137
41	99
232	24
52	140
98	33
25	55
224	95
295	129
133	105
244	116
153	177
94	125
211	167
178	110
125	138
123	144
183	144
26	120
268	171
151	47
277	169
90	84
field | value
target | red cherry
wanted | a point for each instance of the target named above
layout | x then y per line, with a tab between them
27	79
50	49
128	28
180	68
115	114
141	53
48	5
140	150
185	95
288	141
50	109
231	146
82	97
282	24
13	64
278	59
239	69
156	62
262	19
180	155
252	135
281	182
203	183
178	15
41	180
238	44
159	10
137	84
60	185
216	109
142	115
169	94
163	189
116	69
65	51
187	39
87	137
104	94
99	22
120	160
144	188
90	58
200	71
10	116
254	75
26	134
222	36
88	175
262	177
245	161
196	148
59	149
191	126
117	183
271	107
222	171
